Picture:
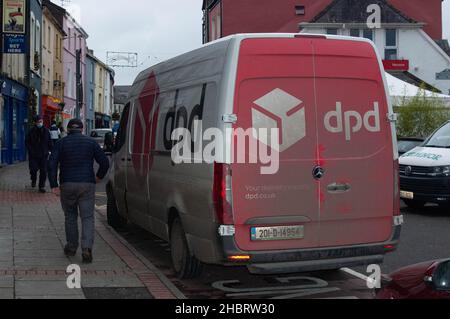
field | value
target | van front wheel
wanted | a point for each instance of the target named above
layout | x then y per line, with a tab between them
185	264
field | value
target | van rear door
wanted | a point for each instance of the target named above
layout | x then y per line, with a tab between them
355	145
275	87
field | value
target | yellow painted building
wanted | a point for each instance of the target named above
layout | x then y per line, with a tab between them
52	66
100	72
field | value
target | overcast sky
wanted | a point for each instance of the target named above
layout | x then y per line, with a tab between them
155	29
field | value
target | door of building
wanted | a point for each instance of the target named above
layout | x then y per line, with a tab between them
13	129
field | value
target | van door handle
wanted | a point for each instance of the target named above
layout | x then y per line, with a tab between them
337	188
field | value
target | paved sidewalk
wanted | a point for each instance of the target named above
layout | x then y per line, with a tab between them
32	262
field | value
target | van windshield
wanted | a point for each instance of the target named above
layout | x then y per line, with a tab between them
441	139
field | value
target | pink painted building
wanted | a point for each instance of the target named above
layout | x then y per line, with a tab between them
76	39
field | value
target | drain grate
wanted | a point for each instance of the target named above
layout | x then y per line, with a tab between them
117	293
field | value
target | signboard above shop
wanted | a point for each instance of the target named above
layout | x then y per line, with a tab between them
14	44
396	65
14	16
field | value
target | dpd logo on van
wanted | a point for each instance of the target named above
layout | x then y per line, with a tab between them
280	110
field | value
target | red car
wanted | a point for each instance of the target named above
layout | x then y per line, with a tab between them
428	280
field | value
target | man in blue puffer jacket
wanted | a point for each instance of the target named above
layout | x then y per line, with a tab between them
74	155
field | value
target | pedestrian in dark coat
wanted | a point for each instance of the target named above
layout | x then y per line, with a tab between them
74	155
39	145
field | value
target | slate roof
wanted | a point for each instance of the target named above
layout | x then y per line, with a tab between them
355	11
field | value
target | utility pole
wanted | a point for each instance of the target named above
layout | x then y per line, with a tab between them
79	85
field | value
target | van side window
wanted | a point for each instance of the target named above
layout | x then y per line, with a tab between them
122	132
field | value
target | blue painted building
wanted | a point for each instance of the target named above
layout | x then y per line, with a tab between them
20	80
13	120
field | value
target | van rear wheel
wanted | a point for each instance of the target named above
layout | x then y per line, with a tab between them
185	264
414	204
112	212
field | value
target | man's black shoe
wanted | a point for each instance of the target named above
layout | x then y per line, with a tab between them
69	252
42	190
87	256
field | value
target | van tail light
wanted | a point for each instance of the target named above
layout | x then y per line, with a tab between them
222	194
396	188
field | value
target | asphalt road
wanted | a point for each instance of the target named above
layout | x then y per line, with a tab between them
425	236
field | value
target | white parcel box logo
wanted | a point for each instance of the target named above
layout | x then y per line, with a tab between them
283	112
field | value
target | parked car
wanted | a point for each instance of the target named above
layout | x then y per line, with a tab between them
428	280
108	146
326	94
406	144
99	136
425	171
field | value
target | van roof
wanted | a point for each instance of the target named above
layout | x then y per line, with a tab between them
218	47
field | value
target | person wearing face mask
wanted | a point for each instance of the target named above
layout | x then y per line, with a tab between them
39	145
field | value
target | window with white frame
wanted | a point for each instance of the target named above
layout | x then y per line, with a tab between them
69	84
44	34
38	47
218	27
32	39
49	39
391	48
69	39
213	29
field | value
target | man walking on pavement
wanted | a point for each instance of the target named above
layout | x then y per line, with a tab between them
55	133
74	155
39	145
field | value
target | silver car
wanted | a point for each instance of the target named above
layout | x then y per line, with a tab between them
99	136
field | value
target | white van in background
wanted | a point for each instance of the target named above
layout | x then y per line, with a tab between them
425	171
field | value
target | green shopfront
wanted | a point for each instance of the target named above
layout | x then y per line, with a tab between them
13	121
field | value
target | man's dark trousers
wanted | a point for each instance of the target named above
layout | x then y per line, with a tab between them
79	198
38	164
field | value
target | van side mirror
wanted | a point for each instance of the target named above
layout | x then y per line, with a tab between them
441	277
109	142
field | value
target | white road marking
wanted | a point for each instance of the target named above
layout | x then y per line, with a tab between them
316	283
359	275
